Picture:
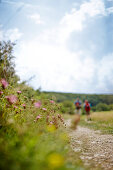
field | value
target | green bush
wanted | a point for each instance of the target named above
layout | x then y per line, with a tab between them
102	107
67	107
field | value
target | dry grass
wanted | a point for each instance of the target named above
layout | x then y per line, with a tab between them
103	116
100	121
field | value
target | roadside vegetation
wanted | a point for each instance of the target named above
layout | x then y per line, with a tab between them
33	132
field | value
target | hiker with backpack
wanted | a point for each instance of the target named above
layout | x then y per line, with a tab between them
78	106
87	107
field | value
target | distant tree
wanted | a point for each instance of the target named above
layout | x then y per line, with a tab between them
67	107
7	66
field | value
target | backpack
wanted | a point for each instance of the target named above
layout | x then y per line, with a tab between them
87	107
77	104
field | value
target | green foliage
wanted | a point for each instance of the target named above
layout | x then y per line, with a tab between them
67	107
94	99
102	107
7	66
32	138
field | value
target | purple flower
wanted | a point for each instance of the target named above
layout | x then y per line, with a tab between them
12	99
44	109
37	104
15	107
38	117
4	83
24	106
51	101
19	92
1	92
51	123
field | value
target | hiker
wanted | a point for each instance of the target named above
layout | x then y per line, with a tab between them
87	107
78	106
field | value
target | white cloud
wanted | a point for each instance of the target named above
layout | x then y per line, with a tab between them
36	18
109	10
13	34
76	20
10	34
105	73
55	67
1	34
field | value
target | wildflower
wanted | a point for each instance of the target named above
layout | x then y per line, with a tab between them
4	83
24	106
44	109
37	104
51	123
51	101
1	92
15	107
38	117
12	99
55	160
19	92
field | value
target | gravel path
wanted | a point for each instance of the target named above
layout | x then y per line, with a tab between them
96	150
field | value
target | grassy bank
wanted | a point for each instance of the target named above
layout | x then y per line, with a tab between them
100	121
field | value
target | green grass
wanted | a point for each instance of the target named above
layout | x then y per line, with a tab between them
102	121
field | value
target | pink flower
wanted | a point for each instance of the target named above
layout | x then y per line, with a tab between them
1	92
38	117
44	109
19	92
12	99
37	104
51	123
15	107
24	106
51	101
7	105
4	83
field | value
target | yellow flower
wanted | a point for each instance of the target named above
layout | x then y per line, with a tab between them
55	160
51	128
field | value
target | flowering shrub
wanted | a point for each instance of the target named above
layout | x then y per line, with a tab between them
30	133
12	99
4	83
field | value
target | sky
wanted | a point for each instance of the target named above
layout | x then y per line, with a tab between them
65	45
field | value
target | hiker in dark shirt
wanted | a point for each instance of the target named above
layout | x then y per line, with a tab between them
87	107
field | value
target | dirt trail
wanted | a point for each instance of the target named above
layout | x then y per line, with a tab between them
96	150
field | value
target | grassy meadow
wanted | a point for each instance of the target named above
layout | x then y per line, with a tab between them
100	121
